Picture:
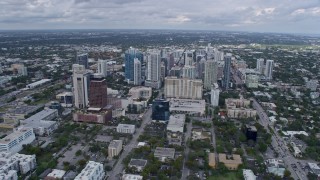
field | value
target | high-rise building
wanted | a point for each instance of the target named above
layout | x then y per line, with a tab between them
160	110
218	55
153	70
82	59
102	67
201	68
136	72
189	72
183	88
170	63
226	71
268	70
188	58
98	92
130	55
210	73
260	65
252	81
215	91
80	80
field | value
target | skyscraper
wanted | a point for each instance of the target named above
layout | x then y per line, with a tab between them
188	58
102	67
137	72
82	59
210	73
183	88
215	95
218	55
80	80
160	110
226	71
98	92
153	70
268	70
201	68
260	65
130	55
189	72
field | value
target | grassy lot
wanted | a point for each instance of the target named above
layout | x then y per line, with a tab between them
227	176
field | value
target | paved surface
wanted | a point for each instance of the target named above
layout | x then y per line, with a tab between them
280	146
118	168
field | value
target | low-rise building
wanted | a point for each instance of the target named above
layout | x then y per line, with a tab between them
248	174
188	106
11	174
93	115
19	162
38	83
200	134
239	108
139	164
114	148
164	153
93	170
126	128
296	150
131	177
315	169
42	123
65	98
55	174
176	123
292	133
252	81
275	166
212	160
232	162
13	142
140	92
174	138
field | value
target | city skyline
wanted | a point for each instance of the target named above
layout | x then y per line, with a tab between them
255	16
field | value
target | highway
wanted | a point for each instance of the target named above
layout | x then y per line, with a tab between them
279	145
118	168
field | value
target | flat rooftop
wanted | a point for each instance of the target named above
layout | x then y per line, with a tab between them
138	162
177	120
129	126
14	135
164	152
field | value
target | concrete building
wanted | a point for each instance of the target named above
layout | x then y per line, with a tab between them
38	83
260	65
275	166
176	123
268	71
131	177
126	128
232	162
130	55
174	138
114	148
13	142
164	153
226	71
248	174
215	91
93	170
139	164
42	123
239	108
19	69
315	169
80	80
137	72
82	59
65	99
201	68
188	106
210	73
140	92
102	67
183	88
18	162
93	115
55	174
11	174
189	72
188	58
252	81
153	70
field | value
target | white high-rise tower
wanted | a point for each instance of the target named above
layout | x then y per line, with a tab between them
102	67
136	72
80	80
215	91
260	65
153	70
268	70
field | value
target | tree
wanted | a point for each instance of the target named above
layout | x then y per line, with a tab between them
78	153
287	173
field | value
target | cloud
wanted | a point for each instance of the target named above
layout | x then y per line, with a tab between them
253	15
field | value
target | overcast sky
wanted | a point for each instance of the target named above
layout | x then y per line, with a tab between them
293	16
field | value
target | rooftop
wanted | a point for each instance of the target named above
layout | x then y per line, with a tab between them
115	143
177	120
15	135
130	126
164	152
57	173
230	159
138	162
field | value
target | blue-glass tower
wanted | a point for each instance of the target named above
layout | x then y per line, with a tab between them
130	54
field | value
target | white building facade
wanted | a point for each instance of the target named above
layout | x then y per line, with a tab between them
215	92
210	73
136	72
13	142
93	170
126	128
80	80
